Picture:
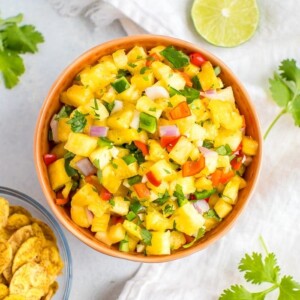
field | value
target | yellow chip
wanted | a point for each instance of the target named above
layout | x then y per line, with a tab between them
47	231
51	261
4	291
5	234
17	220
30	250
15	209
14	297
5	255
52	290
4	211
30	281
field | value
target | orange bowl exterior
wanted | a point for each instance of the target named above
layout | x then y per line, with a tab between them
52	104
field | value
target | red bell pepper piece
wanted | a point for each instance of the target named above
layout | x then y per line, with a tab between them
105	194
152	179
180	111
142	146
49	158
191	168
141	190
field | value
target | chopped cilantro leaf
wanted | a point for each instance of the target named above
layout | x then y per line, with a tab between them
208	144
181	199
177	58
163	199
64	112
146	236
199	235
78	121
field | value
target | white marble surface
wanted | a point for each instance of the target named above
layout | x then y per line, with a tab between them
95	276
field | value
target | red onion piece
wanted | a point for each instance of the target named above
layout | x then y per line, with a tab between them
169	130
155	92
86	167
201	206
206	151
98	131
54	128
89	215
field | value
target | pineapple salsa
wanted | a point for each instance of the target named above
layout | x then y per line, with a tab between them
148	149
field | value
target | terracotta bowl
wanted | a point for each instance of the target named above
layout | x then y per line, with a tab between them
52	105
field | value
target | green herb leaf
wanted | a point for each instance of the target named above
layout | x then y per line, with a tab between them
204	194
112	202
259	270
146	236
109	106
163	199
191	94
211	214
238	292
285	90
129	159
168	209
78	121
130	216
64	112
289	289
223	150
69	170
136	207
11	66
23	39
208	144
181	200
177	58
135	179
196	83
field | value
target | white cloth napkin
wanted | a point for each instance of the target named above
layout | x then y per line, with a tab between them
273	211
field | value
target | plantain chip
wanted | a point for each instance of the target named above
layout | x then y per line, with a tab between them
6	255
51	261
4	291
31	280
4	212
30	250
17	220
14	297
52	290
47	231
15	209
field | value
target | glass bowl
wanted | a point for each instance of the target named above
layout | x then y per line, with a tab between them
38	211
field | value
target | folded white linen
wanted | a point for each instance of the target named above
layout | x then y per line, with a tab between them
274	208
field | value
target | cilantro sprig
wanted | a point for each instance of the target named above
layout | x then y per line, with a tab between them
257	270
16	39
285	90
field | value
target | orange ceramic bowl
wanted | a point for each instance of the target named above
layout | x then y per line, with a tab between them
52	105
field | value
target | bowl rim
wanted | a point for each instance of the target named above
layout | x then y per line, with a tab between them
54	226
38	160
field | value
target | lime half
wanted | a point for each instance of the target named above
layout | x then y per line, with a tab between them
226	23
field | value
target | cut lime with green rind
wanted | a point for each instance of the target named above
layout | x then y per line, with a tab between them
225	23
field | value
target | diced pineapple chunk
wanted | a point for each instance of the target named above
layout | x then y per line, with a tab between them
96	109
85	196
142	81
196	133
230	192
222	208
156	152
81	144
223	161
136	53
203	183
67	189
154	220
185	124
225	114
177	239
132	242
160	244
77	95
213	199
199	110
100	223
122	170
191	70
176	81
120	59
187	219
79	216
122	136
210	223
181	152
156	50
120	206
63	129
57	174
162	169
99	208
116	233
231	138
145	104
207	77
109	179
249	146
187	184
102	236
132	229
131	95
101	157
120	119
